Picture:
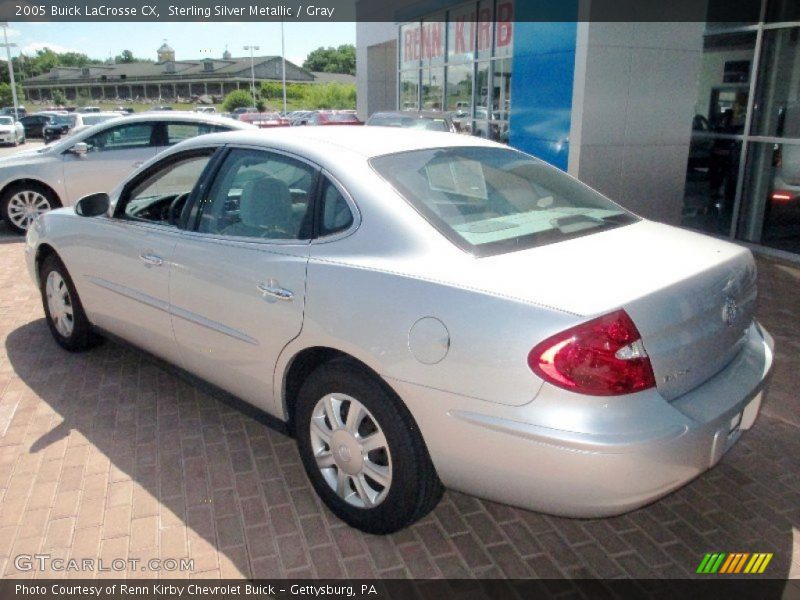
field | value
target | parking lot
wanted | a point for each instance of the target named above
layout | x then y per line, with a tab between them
112	454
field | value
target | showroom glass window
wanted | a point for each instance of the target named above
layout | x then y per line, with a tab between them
743	170
460	61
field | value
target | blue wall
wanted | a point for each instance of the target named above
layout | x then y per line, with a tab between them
541	88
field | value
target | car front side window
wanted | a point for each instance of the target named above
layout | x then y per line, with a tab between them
261	195
122	137
160	197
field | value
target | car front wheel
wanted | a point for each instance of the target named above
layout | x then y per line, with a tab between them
63	310
362	450
21	204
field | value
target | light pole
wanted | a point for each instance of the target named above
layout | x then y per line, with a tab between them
252	72
283	69
8	46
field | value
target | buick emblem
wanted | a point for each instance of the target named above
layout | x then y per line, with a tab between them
730	311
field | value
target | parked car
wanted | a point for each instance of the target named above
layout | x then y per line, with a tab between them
332	117
93	159
205	109
9	111
422	311
61	125
299	117
89	109
34	124
264	120
161	107
414	119
242	110
11	131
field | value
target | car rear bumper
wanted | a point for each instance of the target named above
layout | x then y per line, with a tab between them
501	453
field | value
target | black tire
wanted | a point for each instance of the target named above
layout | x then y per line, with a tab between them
33	188
415	488
82	337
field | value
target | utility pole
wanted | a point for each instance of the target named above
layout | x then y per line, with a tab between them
283	68
8	46
252	72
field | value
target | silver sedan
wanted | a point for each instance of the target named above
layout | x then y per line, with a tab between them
422	310
92	159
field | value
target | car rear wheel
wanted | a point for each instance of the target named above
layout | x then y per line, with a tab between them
63	310
21	204
362	450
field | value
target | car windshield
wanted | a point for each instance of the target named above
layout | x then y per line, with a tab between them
493	200
6	121
61	120
90	119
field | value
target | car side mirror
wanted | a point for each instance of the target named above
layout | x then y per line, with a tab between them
80	149
93	205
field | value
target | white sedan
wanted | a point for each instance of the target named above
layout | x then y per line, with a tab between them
422	310
93	160
11	131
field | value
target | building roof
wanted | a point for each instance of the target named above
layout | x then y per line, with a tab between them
168	71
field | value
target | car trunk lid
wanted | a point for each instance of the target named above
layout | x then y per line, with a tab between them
691	297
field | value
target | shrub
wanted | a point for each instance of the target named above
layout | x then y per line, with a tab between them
237	99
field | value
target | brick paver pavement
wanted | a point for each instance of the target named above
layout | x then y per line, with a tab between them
111	454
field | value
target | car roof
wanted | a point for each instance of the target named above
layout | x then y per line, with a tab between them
367	142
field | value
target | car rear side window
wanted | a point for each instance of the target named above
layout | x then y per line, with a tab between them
261	195
492	200
177	131
336	215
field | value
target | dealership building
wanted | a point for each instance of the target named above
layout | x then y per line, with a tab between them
690	123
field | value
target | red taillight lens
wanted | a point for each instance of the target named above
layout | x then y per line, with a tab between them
602	357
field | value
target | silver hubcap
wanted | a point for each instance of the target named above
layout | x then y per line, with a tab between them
25	206
59	304
351	450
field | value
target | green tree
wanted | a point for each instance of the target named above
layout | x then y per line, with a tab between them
125	57
332	60
6	97
237	99
59	99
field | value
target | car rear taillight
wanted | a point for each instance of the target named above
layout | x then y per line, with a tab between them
602	357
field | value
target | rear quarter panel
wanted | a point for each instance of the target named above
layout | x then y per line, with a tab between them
369	314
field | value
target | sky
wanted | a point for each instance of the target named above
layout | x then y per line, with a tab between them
190	40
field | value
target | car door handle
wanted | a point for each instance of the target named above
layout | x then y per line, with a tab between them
152	259
138	164
274	291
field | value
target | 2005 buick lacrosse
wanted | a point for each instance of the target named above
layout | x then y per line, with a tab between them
423	310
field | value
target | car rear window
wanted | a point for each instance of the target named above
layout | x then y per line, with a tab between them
494	200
